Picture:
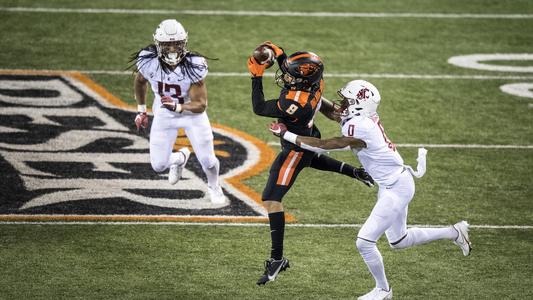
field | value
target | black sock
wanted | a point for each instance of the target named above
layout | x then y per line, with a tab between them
326	163
277	231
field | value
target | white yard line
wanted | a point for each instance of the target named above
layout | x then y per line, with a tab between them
331	75
460	146
230	224
264	13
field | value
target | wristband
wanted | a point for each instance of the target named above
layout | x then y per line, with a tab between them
290	137
179	108
141	108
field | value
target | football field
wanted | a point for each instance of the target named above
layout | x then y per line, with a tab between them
83	215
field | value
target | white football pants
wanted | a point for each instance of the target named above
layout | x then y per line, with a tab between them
163	136
389	216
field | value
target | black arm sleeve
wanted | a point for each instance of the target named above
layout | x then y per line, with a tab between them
261	107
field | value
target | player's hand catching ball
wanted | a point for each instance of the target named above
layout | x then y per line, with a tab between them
278	129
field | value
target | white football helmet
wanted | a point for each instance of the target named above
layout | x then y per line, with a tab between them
359	98
170	39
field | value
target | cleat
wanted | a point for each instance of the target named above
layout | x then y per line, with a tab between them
175	170
217	195
272	268
377	294
462	239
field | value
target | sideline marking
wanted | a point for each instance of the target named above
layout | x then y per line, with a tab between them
460	146
332	75
265	13
481	226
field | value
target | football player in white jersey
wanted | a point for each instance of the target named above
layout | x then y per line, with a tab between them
363	134
176	77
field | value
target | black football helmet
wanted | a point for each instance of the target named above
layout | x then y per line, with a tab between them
301	70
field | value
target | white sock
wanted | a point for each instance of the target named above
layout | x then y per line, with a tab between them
212	175
416	236
374	261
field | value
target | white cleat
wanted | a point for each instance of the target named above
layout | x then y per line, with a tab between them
175	170
217	196
377	294
462	239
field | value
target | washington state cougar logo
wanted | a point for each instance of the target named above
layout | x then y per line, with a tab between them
67	152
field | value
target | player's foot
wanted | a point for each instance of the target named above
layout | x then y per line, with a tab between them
216	195
272	268
377	294
462	239
175	170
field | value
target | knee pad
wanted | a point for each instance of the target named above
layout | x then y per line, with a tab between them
208	161
402	243
158	165
364	245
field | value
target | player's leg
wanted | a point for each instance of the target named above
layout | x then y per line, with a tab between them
325	163
377	223
398	235
200	134
162	139
283	173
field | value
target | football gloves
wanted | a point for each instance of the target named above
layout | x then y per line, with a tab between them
361	175
255	68
141	121
278	129
277	50
168	103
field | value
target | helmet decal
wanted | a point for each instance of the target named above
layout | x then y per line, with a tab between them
307	69
363	94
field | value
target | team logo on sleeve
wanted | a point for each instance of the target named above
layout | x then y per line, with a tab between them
69	151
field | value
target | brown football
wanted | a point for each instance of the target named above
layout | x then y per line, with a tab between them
264	55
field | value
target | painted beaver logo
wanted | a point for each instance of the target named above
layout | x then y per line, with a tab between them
68	153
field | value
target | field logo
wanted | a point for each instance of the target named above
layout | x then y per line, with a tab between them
69	153
481	62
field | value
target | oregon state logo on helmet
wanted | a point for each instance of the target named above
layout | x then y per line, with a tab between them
301	70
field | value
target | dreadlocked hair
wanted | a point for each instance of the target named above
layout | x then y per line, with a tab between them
187	67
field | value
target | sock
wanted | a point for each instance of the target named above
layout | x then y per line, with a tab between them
326	163
374	261
417	236
277	232
212	174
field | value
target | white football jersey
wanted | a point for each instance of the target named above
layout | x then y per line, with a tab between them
175	84
380	158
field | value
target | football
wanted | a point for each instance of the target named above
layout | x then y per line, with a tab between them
264	55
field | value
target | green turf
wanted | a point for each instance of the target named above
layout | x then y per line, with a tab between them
485	186
171	262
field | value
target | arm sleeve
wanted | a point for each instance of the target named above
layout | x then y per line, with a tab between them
261	107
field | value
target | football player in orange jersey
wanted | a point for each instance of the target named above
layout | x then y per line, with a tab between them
300	77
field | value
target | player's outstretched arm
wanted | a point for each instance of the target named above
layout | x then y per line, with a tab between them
341	143
314	144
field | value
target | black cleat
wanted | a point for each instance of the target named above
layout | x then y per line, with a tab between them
361	175
272	268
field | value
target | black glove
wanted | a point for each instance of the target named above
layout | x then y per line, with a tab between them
361	175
